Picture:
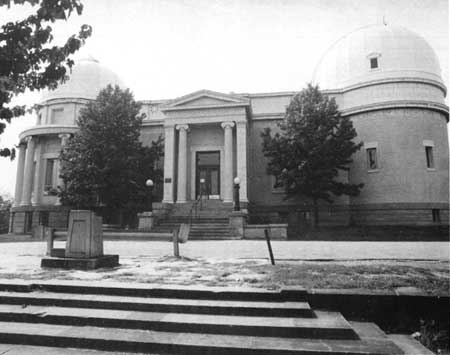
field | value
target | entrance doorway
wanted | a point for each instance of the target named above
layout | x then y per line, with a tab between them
207	174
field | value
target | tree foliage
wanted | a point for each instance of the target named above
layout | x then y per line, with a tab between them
5	206
27	59
105	164
315	142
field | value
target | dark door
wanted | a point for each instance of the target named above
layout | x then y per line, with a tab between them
208	174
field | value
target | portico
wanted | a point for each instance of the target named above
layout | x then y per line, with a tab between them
33	167
205	147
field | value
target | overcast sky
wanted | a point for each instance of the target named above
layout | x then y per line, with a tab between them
164	49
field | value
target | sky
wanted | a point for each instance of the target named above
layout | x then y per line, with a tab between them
168	48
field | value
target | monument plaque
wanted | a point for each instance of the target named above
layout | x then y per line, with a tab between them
84	236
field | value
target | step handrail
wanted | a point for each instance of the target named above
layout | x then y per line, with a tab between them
194	208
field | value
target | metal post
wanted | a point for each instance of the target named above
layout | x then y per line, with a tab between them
151	199
149	183
237	206
267	234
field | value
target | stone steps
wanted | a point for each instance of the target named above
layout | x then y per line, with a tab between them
214	237
207	221
178	320
287	294
201	228
327	325
135	340
206	232
211	220
158	304
201	231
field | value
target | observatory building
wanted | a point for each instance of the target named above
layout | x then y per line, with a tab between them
386	78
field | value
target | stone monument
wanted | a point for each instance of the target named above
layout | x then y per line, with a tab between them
84	245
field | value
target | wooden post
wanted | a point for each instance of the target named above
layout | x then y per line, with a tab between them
266	232
176	249
49	235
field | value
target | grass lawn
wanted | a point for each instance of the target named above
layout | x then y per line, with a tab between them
431	277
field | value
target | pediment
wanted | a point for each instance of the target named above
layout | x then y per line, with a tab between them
206	99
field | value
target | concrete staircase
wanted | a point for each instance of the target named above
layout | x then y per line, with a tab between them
179	320
210	222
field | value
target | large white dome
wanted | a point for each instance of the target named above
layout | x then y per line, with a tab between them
400	53
88	77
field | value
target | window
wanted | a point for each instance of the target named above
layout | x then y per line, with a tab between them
429	157
44	217
277	185
57	116
28	222
373	63
49	173
436	215
372	161
39	119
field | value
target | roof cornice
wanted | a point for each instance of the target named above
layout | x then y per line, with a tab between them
442	108
363	84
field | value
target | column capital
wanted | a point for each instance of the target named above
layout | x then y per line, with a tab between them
227	124
28	139
64	138
182	126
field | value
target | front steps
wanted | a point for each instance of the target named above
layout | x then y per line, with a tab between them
179	320
209	222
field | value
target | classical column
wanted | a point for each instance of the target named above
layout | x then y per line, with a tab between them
241	155
169	161
182	163
19	176
59	182
28	172
37	175
228	161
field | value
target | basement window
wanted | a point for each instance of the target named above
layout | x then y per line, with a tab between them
436	214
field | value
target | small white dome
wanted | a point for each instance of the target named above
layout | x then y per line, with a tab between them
399	53
85	81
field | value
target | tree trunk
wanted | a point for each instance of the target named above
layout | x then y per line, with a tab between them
316	214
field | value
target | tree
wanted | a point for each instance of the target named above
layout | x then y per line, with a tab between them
27	61
5	206
105	164
315	143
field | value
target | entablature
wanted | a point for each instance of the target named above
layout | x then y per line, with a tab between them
47	130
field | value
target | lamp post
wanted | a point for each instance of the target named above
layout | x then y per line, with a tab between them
149	184
237	206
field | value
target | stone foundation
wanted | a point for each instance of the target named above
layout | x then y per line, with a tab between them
24	219
256	231
395	214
